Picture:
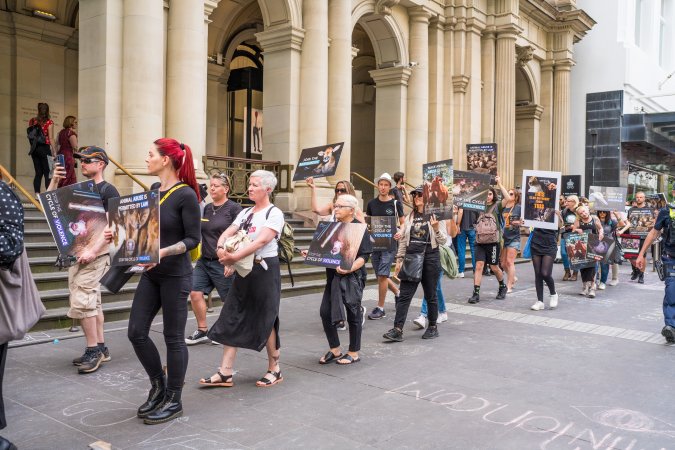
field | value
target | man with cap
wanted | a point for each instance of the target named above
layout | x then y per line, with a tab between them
384	205
665	226
84	275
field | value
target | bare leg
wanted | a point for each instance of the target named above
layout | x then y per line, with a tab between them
89	329
273	355
392	286
199	309
498	272
99	326
382	286
227	364
509	264
478	273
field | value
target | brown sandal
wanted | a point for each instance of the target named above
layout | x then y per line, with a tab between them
225	381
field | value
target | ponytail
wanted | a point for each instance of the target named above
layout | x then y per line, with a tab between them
181	158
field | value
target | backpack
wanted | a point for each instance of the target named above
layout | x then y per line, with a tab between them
448	261
285	244
35	136
487	230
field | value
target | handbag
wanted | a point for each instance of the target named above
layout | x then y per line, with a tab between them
235	242
20	304
411	269
527	250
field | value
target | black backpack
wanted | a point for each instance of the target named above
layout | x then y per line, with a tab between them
35	136
11	227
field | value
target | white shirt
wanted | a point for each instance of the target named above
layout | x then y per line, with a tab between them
275	222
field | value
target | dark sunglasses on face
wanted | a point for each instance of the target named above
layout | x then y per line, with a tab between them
340	191
90	160
416	194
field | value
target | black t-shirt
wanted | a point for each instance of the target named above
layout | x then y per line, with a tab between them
398	195
392	207
106	191
179	221
569	217
663	223
419	234
469	219
511	232
364	251
214	221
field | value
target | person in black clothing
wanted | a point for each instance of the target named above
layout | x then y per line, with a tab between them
166	285
544	247
345	287
399	192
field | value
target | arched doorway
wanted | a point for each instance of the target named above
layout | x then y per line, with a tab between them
528	115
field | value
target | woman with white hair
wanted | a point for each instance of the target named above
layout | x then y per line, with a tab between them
250	314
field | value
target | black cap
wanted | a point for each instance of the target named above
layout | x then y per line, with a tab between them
419	189
92	152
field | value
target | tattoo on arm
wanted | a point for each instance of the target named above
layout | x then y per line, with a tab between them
176	249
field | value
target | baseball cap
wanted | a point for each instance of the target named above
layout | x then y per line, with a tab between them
418	190
386	177
92	152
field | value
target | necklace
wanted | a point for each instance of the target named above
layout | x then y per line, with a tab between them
215	210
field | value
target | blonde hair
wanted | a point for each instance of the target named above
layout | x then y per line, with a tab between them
575	199
349	187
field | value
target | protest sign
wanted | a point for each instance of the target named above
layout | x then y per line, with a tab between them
577	250
75	215
382	230
570	185
539	203
605	198
656	201
641	221
318	162
630	245
470	190
437	193
335	244
134	220
482	158
600	250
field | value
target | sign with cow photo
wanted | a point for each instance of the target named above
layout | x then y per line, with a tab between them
134	220
577	251
335	244
470	190
437	193
606	198
318	162
539	203
570	185
600	250
382	230
482	158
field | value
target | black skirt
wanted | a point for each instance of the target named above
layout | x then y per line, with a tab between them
544	242
251	309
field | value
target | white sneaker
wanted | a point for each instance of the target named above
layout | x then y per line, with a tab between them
613	282
602	287
420	322
591	292
460	275
553	301
442	317
538	306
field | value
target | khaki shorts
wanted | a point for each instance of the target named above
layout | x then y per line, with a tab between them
85	287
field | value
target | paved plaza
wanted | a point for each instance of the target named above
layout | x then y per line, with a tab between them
593	374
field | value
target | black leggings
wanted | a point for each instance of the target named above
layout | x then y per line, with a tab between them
543	273
588	274
156	291
3	357
41	157
430	270
354	317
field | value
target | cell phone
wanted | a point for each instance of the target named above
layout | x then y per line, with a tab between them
61	160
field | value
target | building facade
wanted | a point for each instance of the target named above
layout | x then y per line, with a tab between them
401	82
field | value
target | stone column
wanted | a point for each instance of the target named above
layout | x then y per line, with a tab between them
448	91
561	115
460	81
472	103
340	83
505	103
142	81
488	97
281	49
418	95
546	123
390	118
216	74
436	88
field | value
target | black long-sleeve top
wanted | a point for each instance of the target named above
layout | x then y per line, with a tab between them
179	221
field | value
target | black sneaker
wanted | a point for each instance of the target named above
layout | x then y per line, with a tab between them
394	335
106	354
377	314
641	278
634	275
668	332
430	333
91	361
475	298
78	361
197	337
501	294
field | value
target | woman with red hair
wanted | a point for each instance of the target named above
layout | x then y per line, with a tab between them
167	285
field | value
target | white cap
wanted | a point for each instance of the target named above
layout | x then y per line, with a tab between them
385	176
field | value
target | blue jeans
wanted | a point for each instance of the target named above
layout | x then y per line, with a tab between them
604	272
439	294
563	254
461	248
669	297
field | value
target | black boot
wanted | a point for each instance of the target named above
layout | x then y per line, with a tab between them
634	275
6	445
155	397
170	408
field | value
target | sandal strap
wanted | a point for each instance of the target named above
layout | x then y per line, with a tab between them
223	378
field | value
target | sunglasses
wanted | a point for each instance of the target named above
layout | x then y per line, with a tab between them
340	191
416	194
90	160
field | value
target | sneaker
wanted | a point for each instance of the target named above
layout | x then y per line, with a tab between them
106	357
668	332
591	291
394	335
342	326
475	298
538	306
197	337
460	275
430	333
91	361
641	278
442	317
501	294
420	322
377	314
584	289
553	301
613	282
363	315
602	286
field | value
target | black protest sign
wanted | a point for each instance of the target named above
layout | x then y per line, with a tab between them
606	198
482	158
600	250
577	250
470	190
437	189
335	244
382	230
134	220
318	162
570	185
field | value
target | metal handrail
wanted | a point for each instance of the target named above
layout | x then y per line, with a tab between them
16	184
129	174
362	178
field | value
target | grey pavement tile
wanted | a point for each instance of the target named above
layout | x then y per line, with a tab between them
311	438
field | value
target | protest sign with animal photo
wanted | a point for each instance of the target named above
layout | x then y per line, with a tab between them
641	221
76	217
656	201
134	220
382	230
630	245
606	198
482	158
470	190
437	189
539	203
318	162
335	244
600	250
577	250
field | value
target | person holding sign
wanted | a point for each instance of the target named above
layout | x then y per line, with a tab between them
587	223
166	285
341	187
418	260
639	203
345	287
569	216
609	220
511	215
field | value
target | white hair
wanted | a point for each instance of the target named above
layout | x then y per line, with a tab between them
267	178
349	200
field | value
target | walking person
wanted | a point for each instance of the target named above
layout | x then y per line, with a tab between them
638	273
587	223
487	248
399	191
544	247
511	233
466	220
418	244
609	220
66	145
569	216
250	314
42	151
208	272
341	187
167	285
345	287
384	205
